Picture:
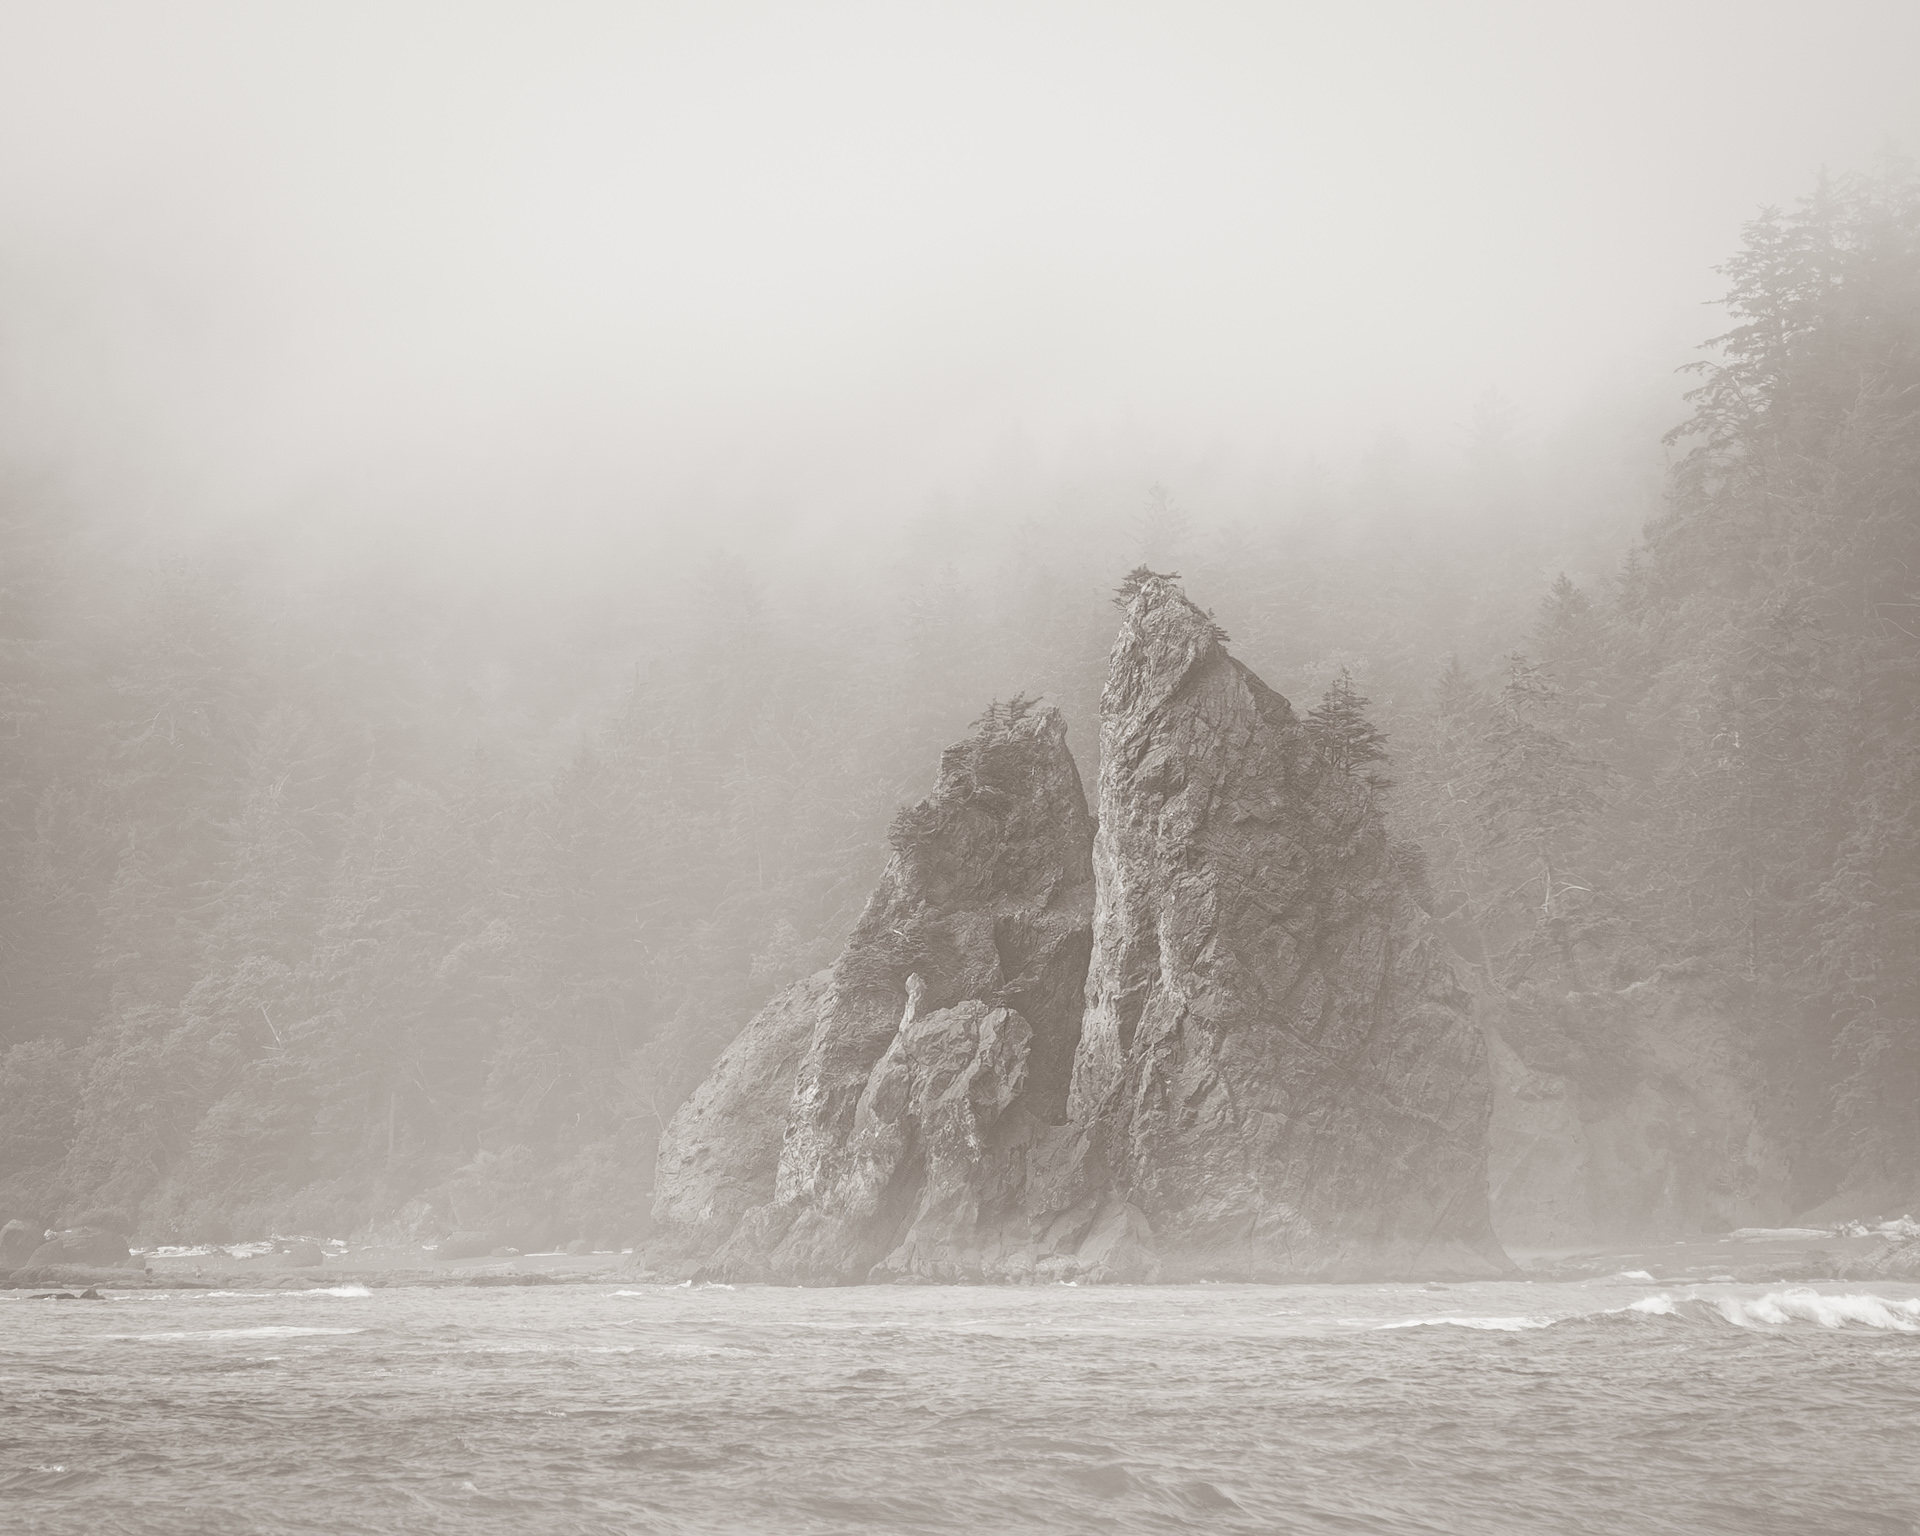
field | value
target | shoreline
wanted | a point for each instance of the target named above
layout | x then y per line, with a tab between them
1783	1257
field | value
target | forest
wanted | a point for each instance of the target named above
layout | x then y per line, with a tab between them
339	902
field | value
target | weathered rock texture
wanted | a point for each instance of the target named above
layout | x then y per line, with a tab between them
941	1038
720	1156
1278	1071
1277	1076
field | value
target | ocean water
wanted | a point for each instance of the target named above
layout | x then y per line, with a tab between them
1539	1409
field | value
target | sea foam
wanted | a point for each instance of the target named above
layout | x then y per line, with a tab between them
1782	1309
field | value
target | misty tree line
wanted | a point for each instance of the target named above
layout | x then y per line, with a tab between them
305	925
1709	769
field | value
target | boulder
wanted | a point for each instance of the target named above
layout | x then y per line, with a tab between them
466	1245
298	1254
87	1246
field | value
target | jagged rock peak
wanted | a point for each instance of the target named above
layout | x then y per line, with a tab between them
987	897
1276	1068
1163	638
952	1014
1274	1075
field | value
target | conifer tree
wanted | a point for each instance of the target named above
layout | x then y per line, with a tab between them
1347	739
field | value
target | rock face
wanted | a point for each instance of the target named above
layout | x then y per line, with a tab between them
1278	1071
720	1156
1276	1078
877	1112
1625	1116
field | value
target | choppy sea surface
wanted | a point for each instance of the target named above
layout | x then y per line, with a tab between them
1489	1408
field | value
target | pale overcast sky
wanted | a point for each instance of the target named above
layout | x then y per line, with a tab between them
563	263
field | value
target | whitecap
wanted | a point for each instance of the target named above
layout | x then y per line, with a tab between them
1654	1306
1781	1309
1634	1274
351	1290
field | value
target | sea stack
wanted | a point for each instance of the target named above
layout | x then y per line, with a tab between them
918	1068
1215	1041
1277	1070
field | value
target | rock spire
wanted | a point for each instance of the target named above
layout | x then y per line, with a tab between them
1214	1041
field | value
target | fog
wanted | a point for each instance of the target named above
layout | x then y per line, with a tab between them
1086	654
532	285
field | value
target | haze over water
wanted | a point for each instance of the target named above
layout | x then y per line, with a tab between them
1478	1410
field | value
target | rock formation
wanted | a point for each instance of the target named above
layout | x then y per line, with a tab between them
1277	1076
955	1005
81	1245
1277	1067
719	1158
1626	1116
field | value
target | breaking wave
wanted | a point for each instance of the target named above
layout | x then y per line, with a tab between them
1782	1309
1771	1313
351	1291
1775	1312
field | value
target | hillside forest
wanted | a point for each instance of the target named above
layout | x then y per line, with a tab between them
348	902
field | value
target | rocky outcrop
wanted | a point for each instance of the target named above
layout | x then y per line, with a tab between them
1626	1116
88	1246
1278	1071
720	1156
1277	1077
940	1040
1895	1259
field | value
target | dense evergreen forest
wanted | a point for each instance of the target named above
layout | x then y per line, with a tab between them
329	905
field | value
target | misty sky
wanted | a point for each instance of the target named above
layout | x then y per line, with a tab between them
519	270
